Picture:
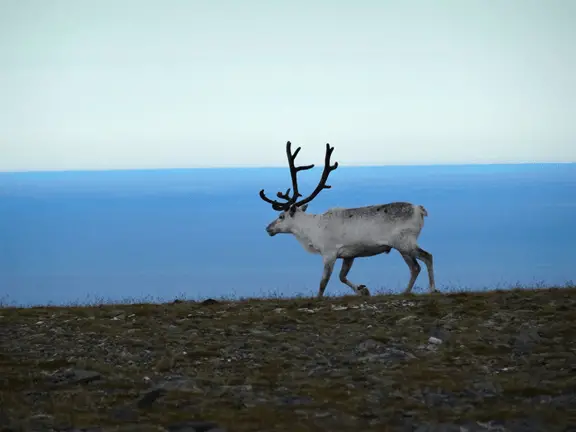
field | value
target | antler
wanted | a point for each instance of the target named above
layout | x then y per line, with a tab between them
294	174
322	184
291	200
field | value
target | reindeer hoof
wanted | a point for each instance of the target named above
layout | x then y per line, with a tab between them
363	290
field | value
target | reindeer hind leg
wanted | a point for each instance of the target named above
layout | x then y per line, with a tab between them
428	260
414	271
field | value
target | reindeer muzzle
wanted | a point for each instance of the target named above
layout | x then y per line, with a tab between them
270	230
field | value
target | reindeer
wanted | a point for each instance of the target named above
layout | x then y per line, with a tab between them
349	233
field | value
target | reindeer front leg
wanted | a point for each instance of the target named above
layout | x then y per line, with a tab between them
346	266
329	262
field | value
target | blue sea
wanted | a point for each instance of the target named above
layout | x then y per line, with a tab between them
68	237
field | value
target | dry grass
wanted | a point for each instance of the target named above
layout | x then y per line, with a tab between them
507	358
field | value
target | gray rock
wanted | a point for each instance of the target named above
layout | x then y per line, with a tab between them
438	331
75	376
180	384
369	345
487	388
406	319
389	355
525	340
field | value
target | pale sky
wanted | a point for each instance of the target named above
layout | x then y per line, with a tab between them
107	84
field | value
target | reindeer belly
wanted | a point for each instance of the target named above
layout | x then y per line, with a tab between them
360	251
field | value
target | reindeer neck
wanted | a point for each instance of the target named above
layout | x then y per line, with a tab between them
307	231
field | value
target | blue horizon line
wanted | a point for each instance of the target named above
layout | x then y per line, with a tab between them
265	167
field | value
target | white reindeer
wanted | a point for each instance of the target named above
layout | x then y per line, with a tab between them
350	233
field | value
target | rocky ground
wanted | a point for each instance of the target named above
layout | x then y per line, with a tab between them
500	361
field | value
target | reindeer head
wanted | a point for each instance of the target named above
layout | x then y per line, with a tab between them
292	208
286	221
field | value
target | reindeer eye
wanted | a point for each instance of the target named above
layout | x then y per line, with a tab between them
281	217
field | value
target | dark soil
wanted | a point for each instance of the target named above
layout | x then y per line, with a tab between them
501	361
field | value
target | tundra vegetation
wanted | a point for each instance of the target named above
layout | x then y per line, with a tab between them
502	360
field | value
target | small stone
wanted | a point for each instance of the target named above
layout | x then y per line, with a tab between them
441	332
181	385
434	340
406	319
369	345
77	376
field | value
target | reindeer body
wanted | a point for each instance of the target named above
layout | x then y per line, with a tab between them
360	232
349	233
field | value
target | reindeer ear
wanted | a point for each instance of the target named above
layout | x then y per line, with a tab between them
304	207
292	210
